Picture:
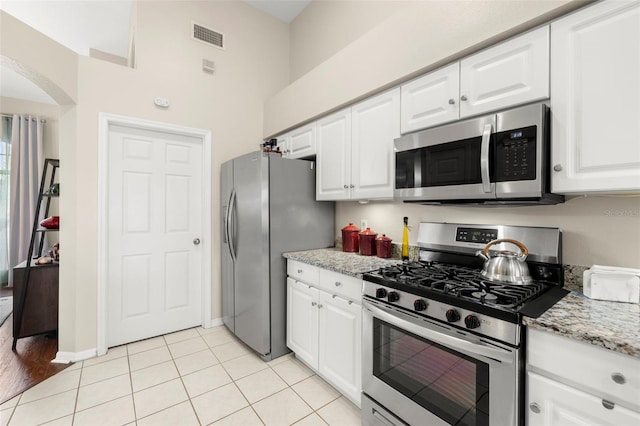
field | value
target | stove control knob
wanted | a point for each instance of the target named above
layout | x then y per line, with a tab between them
380	293
393	296
471	321
452	315
420	305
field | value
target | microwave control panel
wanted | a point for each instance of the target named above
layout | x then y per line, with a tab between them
515	155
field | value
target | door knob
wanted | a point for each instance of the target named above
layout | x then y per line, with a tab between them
196	241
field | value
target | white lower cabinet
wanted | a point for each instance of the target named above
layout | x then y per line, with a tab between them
324	331
302	316
552	403
571	383
339	345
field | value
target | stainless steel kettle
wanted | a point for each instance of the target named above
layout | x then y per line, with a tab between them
505	266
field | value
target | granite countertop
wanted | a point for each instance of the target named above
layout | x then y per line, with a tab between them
610	325
334	259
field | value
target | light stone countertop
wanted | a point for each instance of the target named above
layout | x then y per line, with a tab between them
335	259
609	325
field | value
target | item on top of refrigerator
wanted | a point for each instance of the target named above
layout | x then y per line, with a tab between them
350	238
367	242
612	283
405	239
383	246
271	146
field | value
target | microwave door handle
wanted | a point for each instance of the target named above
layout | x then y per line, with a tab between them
424	331
484	158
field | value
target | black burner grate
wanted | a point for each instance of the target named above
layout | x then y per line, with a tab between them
459	282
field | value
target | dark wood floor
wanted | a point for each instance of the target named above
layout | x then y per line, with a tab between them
29	364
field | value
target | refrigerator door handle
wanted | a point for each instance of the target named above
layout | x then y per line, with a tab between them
230	211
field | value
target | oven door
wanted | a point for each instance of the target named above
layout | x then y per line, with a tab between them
446	163
425	372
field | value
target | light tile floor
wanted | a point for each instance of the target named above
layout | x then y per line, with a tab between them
193	377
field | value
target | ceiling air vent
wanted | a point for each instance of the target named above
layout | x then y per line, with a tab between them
207	35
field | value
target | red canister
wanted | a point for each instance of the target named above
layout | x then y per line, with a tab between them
383	246
350	238
368	242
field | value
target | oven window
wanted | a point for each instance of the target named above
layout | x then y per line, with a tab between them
451	385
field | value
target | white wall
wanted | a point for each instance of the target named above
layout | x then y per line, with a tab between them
595	230
325	27
418	37
229	103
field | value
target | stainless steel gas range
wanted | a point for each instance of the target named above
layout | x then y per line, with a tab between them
442	345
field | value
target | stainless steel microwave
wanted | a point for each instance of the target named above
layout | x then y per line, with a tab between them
498	159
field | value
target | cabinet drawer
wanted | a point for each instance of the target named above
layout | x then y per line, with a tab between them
303	272
341	285
604	373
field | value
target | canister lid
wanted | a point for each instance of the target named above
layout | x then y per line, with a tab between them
383	237
351	227
368	231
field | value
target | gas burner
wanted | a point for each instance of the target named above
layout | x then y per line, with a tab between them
484	296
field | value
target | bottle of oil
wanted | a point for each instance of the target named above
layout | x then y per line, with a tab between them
405	239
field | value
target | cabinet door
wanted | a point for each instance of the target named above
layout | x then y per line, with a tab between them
431	99
375	124
302	321
283	144
302	141
553	404
595	99
340	344
333	160
511	73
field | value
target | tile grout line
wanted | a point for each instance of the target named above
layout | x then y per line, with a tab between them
133	399
186	391
75	405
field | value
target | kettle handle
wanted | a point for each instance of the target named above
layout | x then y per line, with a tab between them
523	250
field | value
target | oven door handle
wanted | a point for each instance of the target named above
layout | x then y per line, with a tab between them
444	339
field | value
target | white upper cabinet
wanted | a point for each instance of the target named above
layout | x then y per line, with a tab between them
298	143
595	99
431	99
302	141
375	123
333	160
510	73
355	158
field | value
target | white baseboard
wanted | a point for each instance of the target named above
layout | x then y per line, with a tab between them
69	357
213	323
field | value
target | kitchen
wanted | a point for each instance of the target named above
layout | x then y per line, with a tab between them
596	230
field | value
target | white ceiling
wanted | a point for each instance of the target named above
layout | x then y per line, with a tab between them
103	25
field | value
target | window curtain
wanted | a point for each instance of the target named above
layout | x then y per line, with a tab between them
5	152
27	160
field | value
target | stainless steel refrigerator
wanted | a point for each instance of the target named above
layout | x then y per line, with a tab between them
268	208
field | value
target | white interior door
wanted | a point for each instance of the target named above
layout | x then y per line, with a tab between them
154	220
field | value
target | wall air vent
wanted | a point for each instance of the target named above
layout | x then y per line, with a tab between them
207	35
